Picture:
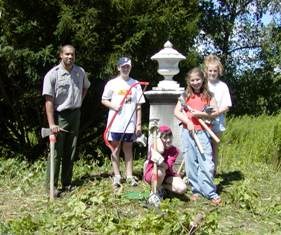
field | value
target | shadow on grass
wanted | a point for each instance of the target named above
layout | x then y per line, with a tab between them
228	178
181	197
101	176
90	177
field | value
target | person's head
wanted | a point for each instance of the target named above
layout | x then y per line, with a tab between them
166	135
197	83
124	65
213	67
67	55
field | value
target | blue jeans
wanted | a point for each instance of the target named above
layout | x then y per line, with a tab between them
199	167
218	124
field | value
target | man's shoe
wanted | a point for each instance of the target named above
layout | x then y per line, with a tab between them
68	188
57	193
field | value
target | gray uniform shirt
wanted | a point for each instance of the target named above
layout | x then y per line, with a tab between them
65	87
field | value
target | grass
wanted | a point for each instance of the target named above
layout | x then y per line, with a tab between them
248	181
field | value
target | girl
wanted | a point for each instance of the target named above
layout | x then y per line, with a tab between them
199	164
127	123
165	159
213	70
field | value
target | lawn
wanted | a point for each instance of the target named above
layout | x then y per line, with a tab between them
249	186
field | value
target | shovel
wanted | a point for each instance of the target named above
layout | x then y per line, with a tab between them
52	138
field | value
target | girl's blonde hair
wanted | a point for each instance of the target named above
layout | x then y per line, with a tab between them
213	59
204	91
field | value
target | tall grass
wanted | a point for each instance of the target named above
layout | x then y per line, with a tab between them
251	139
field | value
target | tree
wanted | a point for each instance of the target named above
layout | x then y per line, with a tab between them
101	31
235	30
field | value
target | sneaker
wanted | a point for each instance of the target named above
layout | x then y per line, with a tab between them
117	181
216	201
132	180
154	199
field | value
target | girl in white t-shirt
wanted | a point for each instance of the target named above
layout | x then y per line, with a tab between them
214	70
127	122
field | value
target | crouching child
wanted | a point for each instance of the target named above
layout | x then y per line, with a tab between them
164	155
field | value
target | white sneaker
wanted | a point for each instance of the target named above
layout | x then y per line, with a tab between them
117	181
132	180
154	199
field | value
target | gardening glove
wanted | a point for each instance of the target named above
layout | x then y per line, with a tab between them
156	157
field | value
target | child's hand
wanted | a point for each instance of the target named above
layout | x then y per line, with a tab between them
199	114
156	157
214	114
116	108
164	166
190	126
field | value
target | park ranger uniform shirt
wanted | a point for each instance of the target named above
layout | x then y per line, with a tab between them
65	87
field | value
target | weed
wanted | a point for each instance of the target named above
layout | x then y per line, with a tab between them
248	184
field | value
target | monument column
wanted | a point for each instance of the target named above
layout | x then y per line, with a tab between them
163	98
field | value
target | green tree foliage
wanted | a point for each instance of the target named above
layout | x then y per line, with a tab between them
237	33
101	31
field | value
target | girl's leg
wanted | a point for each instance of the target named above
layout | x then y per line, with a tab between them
115	159
161	176
206	167
161	173
190	153
175	184
215	147
128	152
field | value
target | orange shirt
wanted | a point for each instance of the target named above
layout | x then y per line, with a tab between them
197	103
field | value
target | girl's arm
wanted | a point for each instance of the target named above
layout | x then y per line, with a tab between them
205	115
160	146
109	104
181	116
222	110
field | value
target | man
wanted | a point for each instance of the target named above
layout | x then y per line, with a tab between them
64	88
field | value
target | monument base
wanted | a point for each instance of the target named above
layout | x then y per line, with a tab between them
162	104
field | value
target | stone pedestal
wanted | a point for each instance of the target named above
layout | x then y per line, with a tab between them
162	104
163	98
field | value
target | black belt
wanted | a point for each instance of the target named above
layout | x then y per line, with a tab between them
68	110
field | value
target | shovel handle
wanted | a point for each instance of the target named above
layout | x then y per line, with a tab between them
52	139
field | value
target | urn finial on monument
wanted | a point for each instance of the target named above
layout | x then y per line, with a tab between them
168	66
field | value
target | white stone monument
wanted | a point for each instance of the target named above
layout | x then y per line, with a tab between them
163	98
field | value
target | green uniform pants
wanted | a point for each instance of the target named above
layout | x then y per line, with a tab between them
65	147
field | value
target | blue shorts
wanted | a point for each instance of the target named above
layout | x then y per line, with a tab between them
125	137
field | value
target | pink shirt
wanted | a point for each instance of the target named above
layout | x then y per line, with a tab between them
170	155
